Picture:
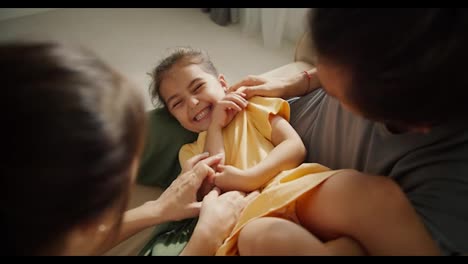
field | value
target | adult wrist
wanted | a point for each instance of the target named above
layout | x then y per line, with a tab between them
155	211
309	81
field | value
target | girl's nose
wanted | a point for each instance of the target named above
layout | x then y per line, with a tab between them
194	101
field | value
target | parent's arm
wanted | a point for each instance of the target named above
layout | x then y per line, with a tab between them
287	87
177	202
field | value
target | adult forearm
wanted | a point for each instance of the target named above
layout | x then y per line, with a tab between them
136	220
301	84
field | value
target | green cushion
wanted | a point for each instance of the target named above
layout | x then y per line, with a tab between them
169	239
159	164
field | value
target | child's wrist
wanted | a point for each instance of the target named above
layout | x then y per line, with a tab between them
253	178
214	127
249	172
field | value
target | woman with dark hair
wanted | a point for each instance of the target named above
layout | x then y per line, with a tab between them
387	99
73	131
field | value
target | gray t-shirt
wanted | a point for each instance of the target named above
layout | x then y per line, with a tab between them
432	168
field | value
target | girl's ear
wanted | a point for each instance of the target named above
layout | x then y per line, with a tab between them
223	82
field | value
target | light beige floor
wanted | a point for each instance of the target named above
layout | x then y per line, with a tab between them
133	40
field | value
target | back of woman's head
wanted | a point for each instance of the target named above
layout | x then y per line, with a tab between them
71	129
406	64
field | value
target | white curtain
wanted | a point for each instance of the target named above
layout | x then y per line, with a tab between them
275	25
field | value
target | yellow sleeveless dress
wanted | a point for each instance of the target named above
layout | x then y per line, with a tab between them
247	141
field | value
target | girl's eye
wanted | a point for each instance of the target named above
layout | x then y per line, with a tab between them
176	104
198	87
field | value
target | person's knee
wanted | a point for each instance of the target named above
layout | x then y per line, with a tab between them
356	189
347	197
259	235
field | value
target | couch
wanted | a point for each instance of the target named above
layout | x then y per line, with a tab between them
304	59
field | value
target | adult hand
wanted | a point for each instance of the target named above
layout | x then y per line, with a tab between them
190	163
256	85
218	216
208	183
179	200
287	87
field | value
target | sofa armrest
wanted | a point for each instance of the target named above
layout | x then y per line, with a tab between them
288	69
305	49
304	59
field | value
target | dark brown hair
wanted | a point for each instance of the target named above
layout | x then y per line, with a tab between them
184	55
72	128
407	65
